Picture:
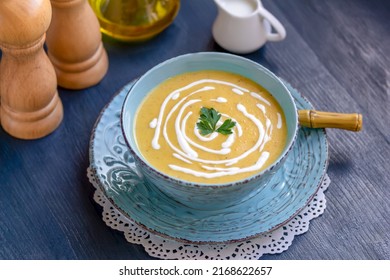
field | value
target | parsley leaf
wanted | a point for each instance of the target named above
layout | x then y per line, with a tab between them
208	122
226	127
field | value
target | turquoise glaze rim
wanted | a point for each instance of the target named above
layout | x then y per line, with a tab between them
198	195
117	176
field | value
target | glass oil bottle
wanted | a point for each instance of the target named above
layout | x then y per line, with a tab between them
134	20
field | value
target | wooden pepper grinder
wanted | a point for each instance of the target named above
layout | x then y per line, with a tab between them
75	45
30	105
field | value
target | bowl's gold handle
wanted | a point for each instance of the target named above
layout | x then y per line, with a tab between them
318	119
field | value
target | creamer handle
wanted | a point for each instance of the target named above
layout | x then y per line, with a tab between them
275	23
318	119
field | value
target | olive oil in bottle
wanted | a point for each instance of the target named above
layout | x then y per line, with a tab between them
134	20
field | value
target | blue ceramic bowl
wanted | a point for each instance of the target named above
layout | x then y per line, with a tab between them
196	195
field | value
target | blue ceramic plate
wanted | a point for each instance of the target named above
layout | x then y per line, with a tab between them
288	192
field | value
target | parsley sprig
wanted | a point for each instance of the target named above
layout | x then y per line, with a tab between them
208	120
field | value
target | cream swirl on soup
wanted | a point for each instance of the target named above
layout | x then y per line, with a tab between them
169	139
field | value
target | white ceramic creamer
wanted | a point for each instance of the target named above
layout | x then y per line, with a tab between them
243	26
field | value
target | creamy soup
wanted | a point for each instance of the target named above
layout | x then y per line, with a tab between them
169	137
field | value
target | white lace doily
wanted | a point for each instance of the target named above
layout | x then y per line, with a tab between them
273	242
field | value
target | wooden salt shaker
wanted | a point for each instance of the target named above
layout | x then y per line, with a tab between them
75	45
30	105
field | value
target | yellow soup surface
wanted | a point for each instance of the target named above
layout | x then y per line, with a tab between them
168	137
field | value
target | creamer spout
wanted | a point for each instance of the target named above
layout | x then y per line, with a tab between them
238	8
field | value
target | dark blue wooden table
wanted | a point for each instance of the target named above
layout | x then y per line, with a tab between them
337	54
